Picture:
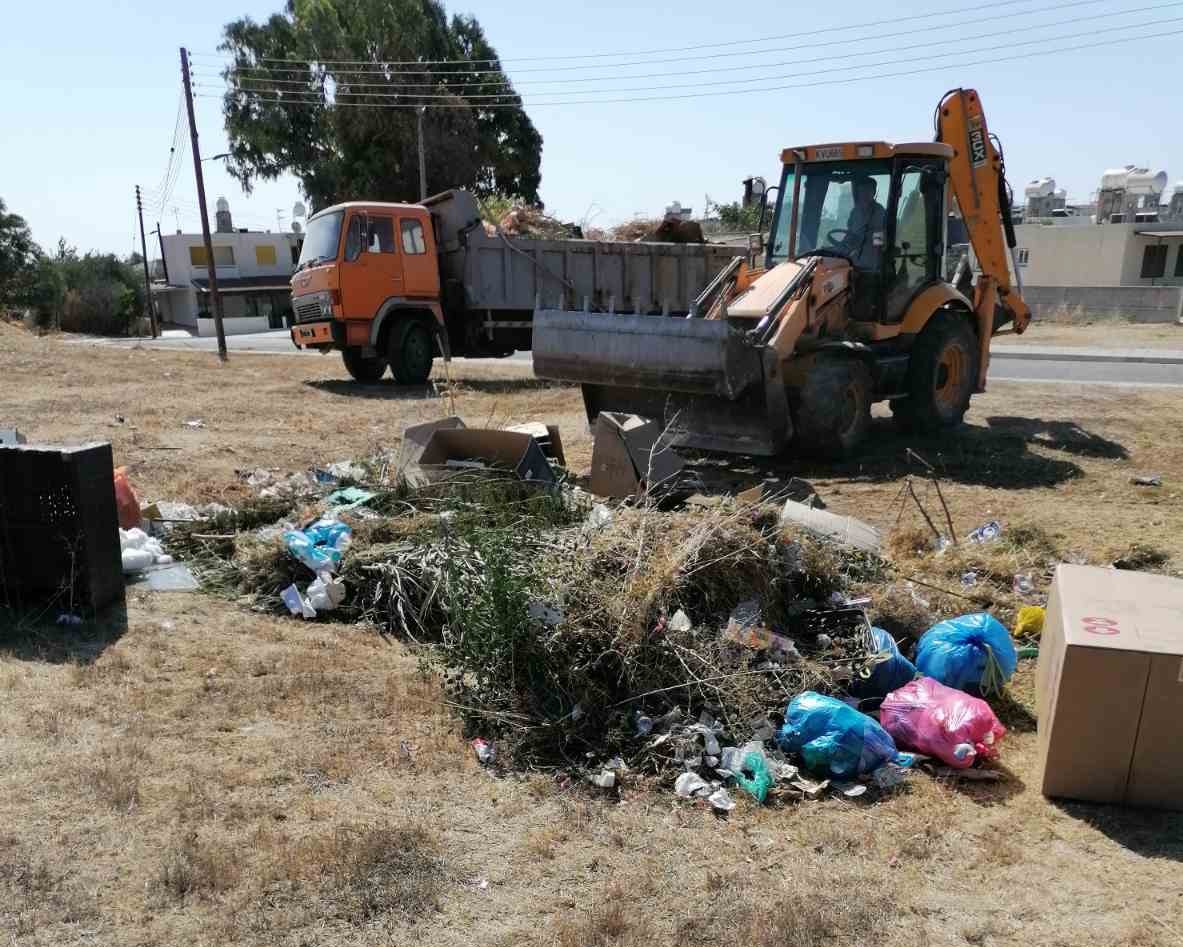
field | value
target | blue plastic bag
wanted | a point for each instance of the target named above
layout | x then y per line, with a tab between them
320	546
835	739
888	675
973	653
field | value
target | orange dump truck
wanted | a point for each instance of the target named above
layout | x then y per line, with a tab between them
395	285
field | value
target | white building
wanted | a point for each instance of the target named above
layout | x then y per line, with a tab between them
253	270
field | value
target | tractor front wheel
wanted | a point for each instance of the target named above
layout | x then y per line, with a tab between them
832	407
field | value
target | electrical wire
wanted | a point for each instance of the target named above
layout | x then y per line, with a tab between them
710	94
677	49
483	100
372	68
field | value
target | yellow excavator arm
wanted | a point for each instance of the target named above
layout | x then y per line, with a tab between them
979	183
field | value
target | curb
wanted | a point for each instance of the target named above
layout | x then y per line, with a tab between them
1129	358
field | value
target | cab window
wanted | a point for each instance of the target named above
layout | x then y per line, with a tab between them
413	240
381	235
353	238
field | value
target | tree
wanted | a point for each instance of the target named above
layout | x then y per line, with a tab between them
18	257
299	80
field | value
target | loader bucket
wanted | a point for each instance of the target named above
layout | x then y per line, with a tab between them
701	378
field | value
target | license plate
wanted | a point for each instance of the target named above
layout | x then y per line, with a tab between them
312	335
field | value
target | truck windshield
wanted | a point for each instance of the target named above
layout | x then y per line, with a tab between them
842	211
321	240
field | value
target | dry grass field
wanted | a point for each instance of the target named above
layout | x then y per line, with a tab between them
203	774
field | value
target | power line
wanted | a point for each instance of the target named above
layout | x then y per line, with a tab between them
675	49
372	69
465	88
481	99
778	88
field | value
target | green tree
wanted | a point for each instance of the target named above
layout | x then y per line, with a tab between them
18	257
318	53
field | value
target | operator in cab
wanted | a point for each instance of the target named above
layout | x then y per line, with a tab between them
867	218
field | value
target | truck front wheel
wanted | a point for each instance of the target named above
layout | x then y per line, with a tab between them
411	353
366	369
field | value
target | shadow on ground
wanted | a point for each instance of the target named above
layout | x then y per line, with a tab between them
391	391
996	454
1145	832
38	637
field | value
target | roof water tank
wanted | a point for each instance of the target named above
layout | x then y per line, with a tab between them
222	205
1040	187
1115	178
1178	188
1145	181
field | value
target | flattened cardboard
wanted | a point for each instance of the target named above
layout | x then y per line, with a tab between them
1109	688
516	452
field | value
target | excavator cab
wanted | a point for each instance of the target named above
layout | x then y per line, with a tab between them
849	307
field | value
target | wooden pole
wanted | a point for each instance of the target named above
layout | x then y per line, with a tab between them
147	275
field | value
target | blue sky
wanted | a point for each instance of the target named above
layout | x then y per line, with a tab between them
88	97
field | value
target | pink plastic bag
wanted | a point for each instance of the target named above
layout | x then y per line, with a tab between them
930	718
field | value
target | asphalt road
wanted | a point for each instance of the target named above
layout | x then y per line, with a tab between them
1046	365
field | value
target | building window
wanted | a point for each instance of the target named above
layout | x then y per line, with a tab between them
413	241
1154	261
265	255
1024	256
381	238
223	256
1179	262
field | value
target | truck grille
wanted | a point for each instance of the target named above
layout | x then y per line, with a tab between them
307	311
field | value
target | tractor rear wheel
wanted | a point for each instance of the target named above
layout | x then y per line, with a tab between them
942	374
366	369
832	407
412	351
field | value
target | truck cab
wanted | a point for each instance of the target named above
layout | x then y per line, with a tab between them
368	283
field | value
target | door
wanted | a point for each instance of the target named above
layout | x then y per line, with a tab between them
916	239
370	272
420	269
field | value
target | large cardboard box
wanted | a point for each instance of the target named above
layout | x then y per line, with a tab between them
1110	688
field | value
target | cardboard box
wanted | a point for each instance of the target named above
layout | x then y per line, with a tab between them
474	447
628	456
1110	688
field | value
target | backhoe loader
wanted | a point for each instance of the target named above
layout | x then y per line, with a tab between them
848	306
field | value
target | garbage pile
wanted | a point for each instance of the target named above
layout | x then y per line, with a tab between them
726	650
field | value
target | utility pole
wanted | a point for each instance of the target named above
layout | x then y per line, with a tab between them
422	161
209	247
147	276
163	258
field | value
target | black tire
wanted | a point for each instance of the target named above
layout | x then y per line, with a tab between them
366	369
832	407
942	375
411	350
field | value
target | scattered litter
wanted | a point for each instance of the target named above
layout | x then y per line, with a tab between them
604	780
973	653
629	457
348	498
746	627
917	598
939	721
68	619
545	614
126	505
850	790
644	725
1029	621
842	529
889	776
834	738
721	800
688	785
986	533
969	579
754	778
787	772
1023	585
325	593
810	787
320	546
195	424
170	577
680	621
486	752
1148	480
297	604
10	436
599	517
138	551
973	775
548	438
343	470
